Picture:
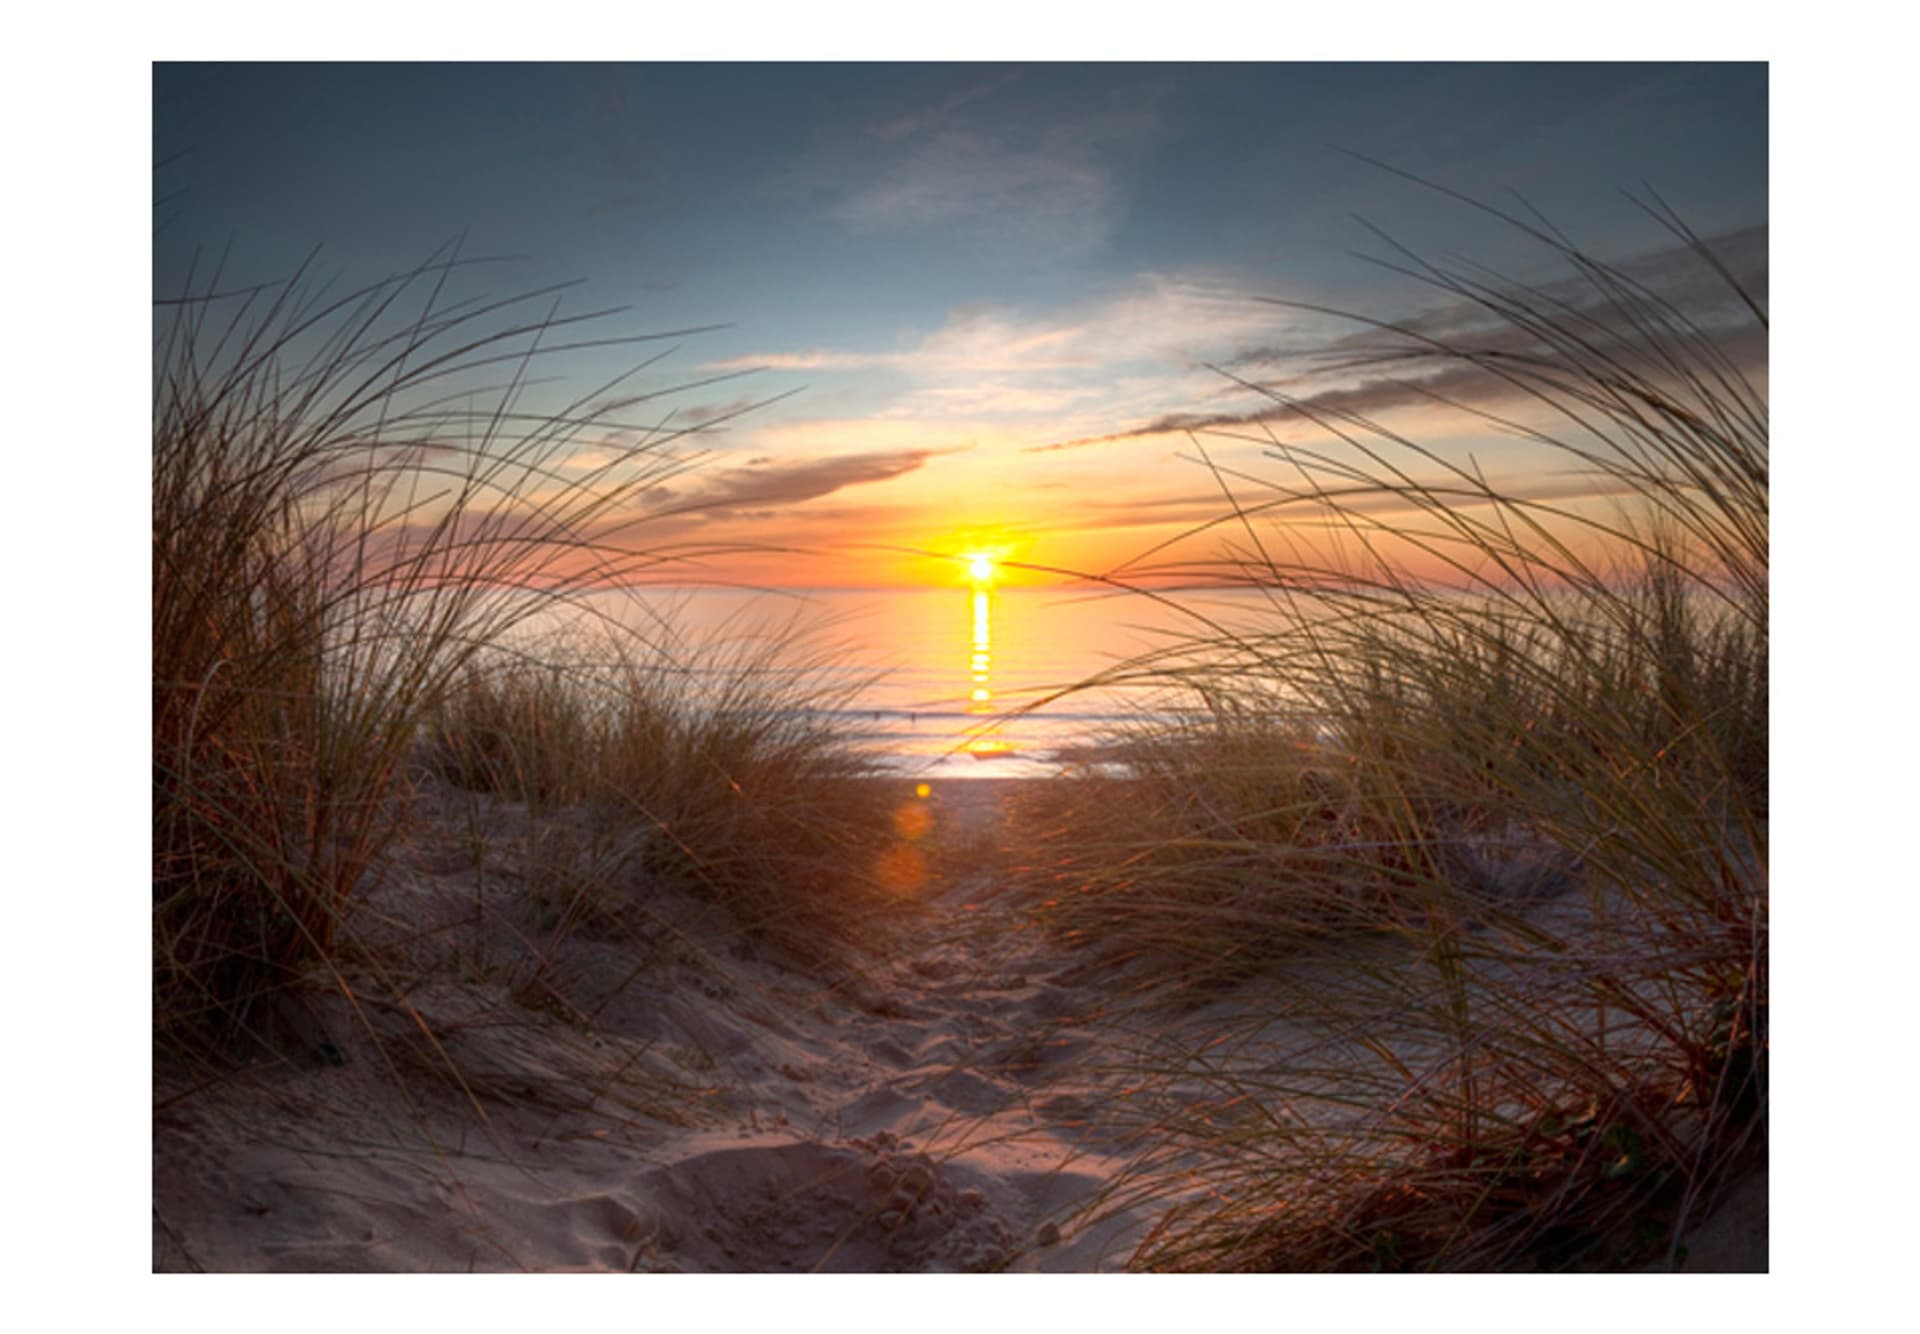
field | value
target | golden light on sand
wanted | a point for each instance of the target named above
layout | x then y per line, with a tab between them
901	868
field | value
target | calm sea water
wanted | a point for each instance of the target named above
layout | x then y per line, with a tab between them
953	682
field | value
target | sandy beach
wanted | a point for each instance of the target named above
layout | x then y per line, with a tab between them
958	1103
701	1109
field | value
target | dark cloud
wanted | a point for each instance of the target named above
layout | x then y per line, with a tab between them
755	487
1394	367
1675	273
702	413
1264	498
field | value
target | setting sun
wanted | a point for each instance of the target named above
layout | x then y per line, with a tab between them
980	567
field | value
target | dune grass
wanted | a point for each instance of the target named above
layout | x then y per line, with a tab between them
352	505
709	770
1512	750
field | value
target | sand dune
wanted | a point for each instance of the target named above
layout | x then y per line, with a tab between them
679	1101
718	1113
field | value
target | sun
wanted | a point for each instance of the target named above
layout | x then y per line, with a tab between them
980	567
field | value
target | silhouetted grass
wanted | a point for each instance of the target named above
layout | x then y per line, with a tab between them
351	503
1517	744
712	767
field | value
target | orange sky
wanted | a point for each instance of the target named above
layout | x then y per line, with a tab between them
936	308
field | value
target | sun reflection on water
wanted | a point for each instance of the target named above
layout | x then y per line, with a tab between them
981	666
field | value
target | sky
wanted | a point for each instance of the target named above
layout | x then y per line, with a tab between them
998	307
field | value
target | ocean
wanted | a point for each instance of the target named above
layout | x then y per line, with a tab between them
955	682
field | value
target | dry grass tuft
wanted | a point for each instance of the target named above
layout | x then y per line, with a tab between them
1520	742
721	781
353	508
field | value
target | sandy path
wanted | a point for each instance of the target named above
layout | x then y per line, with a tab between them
936	1113
955	1105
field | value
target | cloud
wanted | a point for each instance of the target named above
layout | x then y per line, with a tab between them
974	339
1163	321
1380	370
1293	504
1458	384
1675	272
812	360
761	485
1057	195
1027	163
701	413
589	459
993	398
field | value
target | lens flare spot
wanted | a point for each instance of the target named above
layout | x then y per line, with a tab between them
912	821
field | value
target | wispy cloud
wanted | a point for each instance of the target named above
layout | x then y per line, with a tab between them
1268	498
1022	164
1381	370
1458	384
1165	321
701	413
973	340
1057	195
1675	272
762	484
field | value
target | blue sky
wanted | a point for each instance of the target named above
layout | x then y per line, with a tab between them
954	265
